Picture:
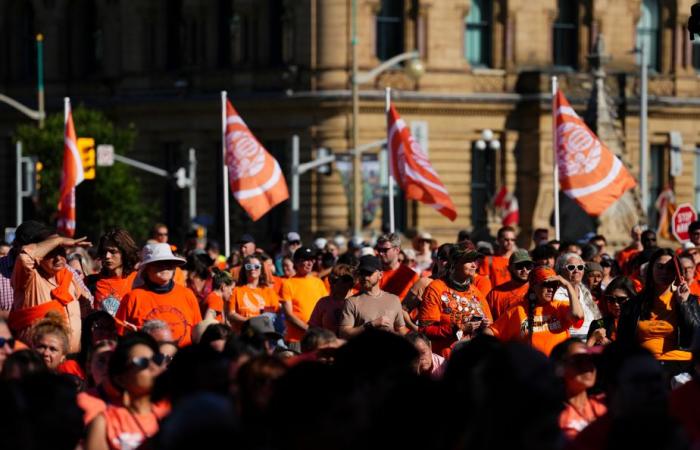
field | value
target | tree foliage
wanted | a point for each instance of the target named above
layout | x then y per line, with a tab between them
112	199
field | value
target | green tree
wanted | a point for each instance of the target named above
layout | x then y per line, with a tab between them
112	199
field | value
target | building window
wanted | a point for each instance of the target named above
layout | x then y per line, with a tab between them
697	178
648	32
483	185
175	28
565	35
477	34
390	29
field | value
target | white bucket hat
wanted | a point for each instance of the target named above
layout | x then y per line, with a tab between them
159	252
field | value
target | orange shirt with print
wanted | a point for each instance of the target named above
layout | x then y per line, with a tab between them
572	420
398	281
658	333
113	287
303	293
482	283
126	429
214	302
178	308
498	270
551	325
505	296
248	301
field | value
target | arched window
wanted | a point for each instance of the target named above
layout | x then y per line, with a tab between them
648	32
390	29
565	35
477	34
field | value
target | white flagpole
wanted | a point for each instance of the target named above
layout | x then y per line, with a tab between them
555	160
387	106
227	226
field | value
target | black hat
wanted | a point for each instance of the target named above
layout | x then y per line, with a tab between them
245	239
31	232
303	254
369	263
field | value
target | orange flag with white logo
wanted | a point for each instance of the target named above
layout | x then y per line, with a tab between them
589	172
412	170
255	177
71	175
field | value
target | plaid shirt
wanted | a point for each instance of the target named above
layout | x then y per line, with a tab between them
7	294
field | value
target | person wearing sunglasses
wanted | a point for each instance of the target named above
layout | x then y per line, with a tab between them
326	313
133	368
512	292
7	342
215	304
571	267
541	321
253	294
615	297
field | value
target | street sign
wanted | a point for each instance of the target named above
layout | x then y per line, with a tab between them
681	220
105	155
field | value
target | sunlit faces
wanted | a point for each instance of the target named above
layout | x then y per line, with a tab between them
574	269
304	267
687	266
111	258
161	235
369	279
138	379
52	349
615	300
545	291
506	241
387	253
54	261
160	272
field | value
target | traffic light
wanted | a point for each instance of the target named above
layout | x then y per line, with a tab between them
38	167
86	147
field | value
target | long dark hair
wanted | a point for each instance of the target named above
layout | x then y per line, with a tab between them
648	294
243	276
121	239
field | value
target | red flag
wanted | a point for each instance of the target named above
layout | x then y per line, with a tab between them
412	170
71	176
589	173
500	198
511	212
255	176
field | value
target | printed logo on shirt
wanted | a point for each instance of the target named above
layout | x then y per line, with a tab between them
255	304
460	307
110	304
128	441
175	319
541	324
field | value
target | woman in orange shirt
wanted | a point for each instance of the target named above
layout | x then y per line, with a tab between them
133	367
252	295
541	321
119	256
216	304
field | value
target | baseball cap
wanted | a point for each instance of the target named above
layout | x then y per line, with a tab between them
260	324
246	238
303	254
518	256
464	251
293	236
593	267
369	263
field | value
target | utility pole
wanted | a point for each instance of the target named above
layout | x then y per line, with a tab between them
40	77
643	140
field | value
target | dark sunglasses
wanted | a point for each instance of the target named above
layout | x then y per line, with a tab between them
605	263
294	242
572	267
619	300
554	285
581	362
525	265
9	341
383	249
142	363
252	266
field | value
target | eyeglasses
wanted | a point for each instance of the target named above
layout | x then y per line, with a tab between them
525	265
619	300
252	266
9	341
383	249
142	363
554	285
294	242
572	267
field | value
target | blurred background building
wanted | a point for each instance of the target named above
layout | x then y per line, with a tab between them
287	68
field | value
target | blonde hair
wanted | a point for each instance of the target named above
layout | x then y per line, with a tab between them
53	324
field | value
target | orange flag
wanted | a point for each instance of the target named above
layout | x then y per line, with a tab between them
255	176
71	175
589	173
412	170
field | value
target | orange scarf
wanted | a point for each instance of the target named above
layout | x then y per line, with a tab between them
60	297
61	293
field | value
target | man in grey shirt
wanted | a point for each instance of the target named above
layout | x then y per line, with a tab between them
372	307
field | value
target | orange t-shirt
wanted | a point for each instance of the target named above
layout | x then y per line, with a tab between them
178	308
248	302
658	333
498	272
572	421
505	296
303	293
398	281
179	277
216	304
126	429
624	256
551	325
483	284
112	290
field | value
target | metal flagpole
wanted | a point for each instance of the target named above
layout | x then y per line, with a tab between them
227	225
387	106
555	162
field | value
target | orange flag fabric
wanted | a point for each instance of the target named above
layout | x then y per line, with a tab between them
256	179
412	170
589	172
71	176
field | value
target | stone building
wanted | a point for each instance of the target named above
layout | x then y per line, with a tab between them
287	67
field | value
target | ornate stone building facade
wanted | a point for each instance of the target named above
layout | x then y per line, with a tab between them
287	67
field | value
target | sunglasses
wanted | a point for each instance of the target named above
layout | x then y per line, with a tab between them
9	341
619	300
525	265
605	263
252	266
554	285
383	249
572	267
294	242
142	363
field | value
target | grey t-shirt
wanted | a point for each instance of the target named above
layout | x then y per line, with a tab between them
363	308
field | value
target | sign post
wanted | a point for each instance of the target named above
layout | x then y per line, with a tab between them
681	220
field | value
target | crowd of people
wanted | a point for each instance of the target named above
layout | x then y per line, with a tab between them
348	344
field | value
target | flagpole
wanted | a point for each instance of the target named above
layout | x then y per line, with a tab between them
227	227
555	160
387	107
